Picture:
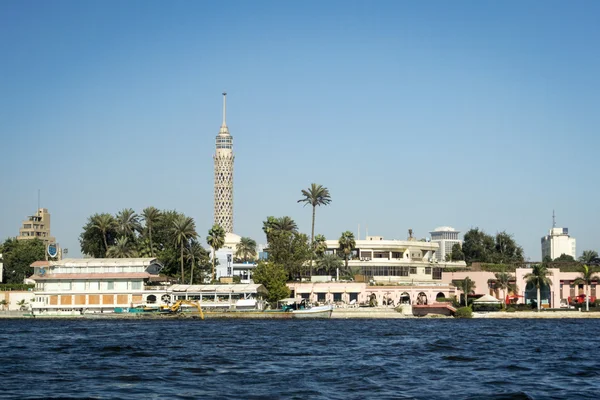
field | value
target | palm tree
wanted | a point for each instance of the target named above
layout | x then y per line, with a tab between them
329	263
588	256
103	222
183	229
285	224
503	282
347	244
538	277
194	253
22	304
216	240
316	195
122	248
246	248
151	216
128	222
320	245
467	286
588	274
4	304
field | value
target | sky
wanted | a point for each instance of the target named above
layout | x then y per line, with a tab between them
413	114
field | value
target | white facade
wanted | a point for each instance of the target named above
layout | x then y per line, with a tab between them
445	237
228	268
558	242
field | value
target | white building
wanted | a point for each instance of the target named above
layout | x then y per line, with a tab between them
445	237
558	242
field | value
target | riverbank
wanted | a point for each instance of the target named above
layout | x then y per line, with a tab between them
538	315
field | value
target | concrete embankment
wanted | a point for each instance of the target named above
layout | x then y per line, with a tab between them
541	314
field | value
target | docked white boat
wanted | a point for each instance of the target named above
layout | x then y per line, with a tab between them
301	309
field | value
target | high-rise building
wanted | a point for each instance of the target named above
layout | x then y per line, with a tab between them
557	243
37	227
446	237
223	190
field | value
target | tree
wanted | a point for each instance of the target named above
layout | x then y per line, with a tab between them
246	248
503	282
285	224
122	248
478	246
290	250
506	249
104	223
466	286
588	274
273	276
183	229
316	195
328	264
196	254
320	245
565	258
347	244
538	277
128	223
216	240
18	255
588	256
22	304
151	216
457	253
4	304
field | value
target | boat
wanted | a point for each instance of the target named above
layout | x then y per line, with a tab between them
301	309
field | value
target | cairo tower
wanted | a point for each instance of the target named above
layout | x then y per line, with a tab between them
223	158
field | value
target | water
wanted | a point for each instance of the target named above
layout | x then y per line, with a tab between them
333	359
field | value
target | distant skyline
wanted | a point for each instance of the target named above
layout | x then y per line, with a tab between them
414	115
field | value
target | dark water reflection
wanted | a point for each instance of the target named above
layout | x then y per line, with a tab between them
336	359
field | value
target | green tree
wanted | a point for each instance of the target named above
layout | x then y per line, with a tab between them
564	258
4	304
347	244
503	282
216	240
320	245
588	274
467	286
22	304
18	255
506	250
122	248
273	277
478	246
128	223
151	216
104	223
457	253
196	255
183	229
291	250
315	195
246	249
538	277
328	264
588	256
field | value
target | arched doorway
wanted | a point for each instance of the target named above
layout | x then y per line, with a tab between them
151	299
440	297
405	298
422	298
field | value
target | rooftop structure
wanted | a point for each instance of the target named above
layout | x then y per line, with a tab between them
223	169
445	237
558	242
37	227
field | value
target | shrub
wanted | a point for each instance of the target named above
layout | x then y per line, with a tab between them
463	312
511	309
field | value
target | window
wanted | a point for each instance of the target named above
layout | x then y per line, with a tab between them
437	273
337	297
110	285
428	270
136	285
321	297
353	296
65	285
413	270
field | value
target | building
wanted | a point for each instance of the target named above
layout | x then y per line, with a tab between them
445	237
227	266
380	260
223	168
93	284
558	242
37	227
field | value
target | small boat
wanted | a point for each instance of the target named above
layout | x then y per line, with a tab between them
301	309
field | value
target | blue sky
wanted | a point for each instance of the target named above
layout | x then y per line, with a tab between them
413	114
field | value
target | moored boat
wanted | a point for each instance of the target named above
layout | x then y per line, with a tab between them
301	309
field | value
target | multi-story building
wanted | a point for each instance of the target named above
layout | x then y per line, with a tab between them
558	242
37	227
445	237
93	284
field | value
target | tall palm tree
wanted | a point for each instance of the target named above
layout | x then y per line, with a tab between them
503	282
22	304
466	286
4	304
104	222
216	240
183	229
347	244
588	274
328	263
588	256
320	245
316	195
122	248
285	224
151	216
538	277
194	253
246	248
128	222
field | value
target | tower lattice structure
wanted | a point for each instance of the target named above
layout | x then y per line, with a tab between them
223	159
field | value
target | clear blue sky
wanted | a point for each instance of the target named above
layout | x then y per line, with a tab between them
413	114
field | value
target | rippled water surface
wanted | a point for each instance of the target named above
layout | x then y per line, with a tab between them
334	359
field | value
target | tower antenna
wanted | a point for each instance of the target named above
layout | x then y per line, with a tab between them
224	107
38	199
553	219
